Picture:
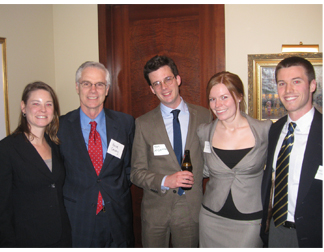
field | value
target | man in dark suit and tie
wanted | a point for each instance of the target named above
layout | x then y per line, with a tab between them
292	184
96	148
161	137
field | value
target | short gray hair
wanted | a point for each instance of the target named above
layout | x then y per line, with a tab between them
95	65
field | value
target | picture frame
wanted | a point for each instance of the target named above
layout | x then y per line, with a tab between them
263	100
4	109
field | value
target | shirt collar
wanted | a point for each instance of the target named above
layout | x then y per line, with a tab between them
166	111
85	120
303	123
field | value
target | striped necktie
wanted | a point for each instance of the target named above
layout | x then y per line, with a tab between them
280	205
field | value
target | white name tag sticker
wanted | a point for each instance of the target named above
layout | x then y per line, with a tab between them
207	147
319	173
160	150
115	148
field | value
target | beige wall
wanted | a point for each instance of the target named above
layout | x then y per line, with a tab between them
75	41
262	29
28	30
49	42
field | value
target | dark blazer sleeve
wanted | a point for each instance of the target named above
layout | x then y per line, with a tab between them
309	205
145	171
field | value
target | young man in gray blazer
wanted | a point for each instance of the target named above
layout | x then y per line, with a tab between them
300	223
155	167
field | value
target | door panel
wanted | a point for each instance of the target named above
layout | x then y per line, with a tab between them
129	35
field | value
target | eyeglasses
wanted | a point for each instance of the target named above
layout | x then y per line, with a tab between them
88	85
167	81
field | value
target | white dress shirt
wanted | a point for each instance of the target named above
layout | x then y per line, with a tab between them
296	157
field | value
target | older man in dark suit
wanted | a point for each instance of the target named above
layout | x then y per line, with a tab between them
156	159
293	180
96	147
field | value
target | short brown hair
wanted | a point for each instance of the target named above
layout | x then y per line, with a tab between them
297	61
156	62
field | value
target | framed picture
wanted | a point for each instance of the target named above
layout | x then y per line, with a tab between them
4	111
263	100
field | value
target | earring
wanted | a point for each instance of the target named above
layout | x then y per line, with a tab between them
24	115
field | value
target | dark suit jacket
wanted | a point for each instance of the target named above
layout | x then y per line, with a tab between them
308	212
82	184
148	169
32	213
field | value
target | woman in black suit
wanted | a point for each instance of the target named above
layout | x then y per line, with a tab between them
32	174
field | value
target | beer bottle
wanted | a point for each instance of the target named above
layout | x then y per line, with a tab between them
186	165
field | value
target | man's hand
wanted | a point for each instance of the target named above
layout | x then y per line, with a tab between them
179	179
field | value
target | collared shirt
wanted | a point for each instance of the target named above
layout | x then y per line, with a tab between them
184	117
101	128
301	133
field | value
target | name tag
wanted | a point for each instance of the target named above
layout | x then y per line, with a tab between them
160	150
319	173
207	147
115	149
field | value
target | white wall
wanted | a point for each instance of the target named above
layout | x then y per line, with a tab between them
49	42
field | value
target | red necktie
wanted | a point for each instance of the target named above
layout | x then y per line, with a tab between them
95	153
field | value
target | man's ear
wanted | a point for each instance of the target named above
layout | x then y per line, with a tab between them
77	88
312	86
178	79
152	89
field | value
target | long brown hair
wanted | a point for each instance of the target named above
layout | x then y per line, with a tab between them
52	128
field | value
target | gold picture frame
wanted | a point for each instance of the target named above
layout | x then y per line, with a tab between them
263	99
4	110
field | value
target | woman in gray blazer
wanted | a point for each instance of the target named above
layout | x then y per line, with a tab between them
235	152
32	174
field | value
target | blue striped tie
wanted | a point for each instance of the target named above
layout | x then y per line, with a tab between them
280	205
177	142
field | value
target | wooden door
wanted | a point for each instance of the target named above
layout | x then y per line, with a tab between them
129	35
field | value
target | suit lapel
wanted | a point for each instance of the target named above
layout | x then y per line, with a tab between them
78	141
28	152
163	138
57	165
274	137
192	126
310	162
274	134
112	132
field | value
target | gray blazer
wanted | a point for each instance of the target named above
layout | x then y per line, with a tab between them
244	180
148	169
